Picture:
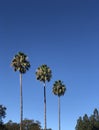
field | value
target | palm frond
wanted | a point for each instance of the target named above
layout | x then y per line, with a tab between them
59	88
43	73
20	63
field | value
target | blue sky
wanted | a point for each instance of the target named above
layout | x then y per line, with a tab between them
65	36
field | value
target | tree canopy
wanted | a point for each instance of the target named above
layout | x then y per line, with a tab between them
2	113
59	88
43	73
88	123
20	62
28	124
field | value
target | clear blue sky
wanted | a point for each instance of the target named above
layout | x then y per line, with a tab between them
65	36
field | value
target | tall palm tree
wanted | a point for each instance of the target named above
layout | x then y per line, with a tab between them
21	64
59	90
44	74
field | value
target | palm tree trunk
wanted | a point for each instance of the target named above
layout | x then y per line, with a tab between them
21	102
59	112
44	106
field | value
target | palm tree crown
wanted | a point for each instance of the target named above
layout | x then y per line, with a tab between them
20	62
59	88
43	73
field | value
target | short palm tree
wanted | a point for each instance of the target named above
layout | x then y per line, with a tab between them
44	74
59	90
21	64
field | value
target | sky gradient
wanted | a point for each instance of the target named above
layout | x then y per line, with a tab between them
65	36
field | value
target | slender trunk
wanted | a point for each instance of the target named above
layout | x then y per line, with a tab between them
59	112
21	102
44	106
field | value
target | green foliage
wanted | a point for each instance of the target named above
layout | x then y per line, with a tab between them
59	88
43	73
20	63
12	125
2	113
88	123
27	125
31	124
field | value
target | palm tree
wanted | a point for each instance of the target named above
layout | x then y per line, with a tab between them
21	64
44	74
59	90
